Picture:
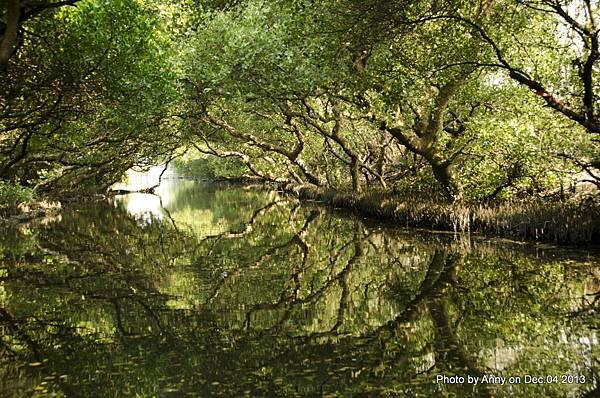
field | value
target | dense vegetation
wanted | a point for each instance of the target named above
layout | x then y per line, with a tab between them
457	100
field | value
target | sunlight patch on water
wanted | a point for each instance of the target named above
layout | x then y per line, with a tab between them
143	205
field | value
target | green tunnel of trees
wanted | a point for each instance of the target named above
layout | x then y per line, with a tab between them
461	100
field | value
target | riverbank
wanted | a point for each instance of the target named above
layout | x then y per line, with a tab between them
569	222
556	222
31	211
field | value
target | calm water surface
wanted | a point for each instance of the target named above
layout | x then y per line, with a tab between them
208	291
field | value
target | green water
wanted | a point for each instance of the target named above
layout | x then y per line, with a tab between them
207	291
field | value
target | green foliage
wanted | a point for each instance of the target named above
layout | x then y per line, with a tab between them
209	167
360	95
95	97
11	195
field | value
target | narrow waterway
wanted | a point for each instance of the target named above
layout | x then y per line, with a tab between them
204	290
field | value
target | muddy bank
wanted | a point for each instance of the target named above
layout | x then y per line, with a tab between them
556	222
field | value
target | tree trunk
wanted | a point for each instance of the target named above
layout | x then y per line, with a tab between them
355	174
445	177
7	44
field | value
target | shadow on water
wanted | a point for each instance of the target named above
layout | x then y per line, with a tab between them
204	291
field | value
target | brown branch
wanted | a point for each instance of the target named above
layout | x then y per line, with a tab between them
31	10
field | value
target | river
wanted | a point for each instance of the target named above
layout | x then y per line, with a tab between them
207	290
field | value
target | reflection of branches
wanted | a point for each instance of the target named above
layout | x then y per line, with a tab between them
115	301
334	255
118	318
288	302
12	324
296	239
448	346
245	230
437	279
167	212
341	279
103	262
446	341
152	314
439	276
589	307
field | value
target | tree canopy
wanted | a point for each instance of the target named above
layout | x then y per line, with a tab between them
462	100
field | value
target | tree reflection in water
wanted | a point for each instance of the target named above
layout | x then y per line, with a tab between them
238	292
